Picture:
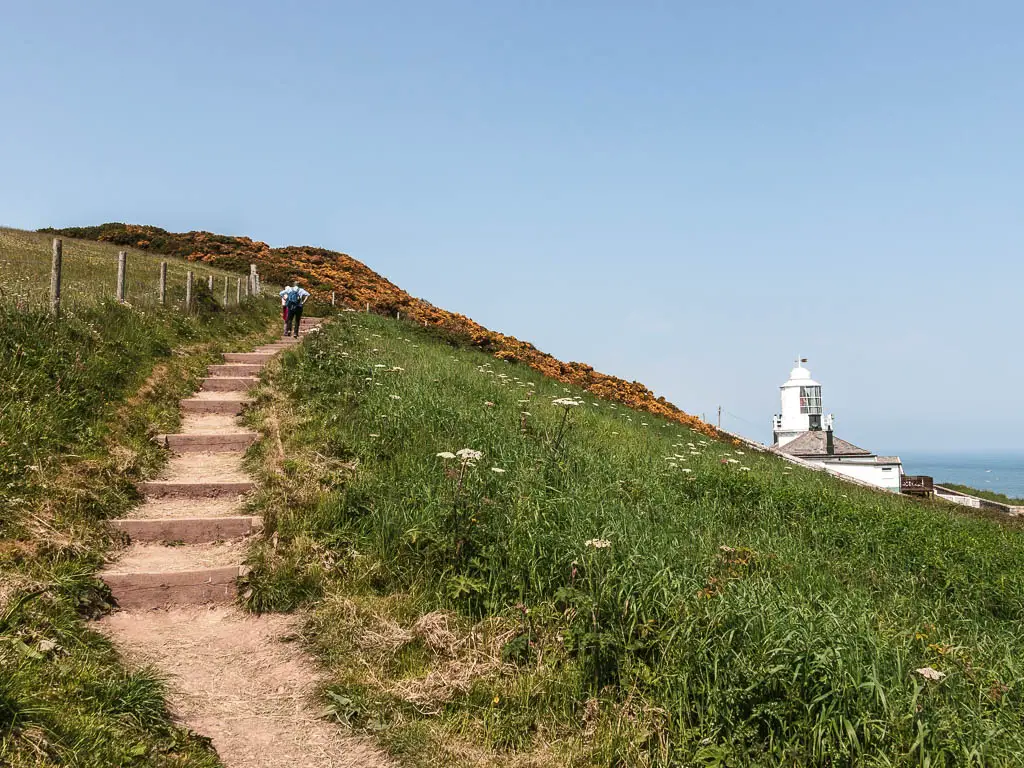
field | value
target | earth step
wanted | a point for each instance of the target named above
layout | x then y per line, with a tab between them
198	405
235	369
190	530
153	575
248	357
210	442
229	383
182	507
159	589
195	490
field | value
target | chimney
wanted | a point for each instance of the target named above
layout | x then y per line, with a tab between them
830	446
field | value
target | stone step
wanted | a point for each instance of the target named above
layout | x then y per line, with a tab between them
235	370
195	490
209	442
229	383
198	405
156	589
189	530
248	357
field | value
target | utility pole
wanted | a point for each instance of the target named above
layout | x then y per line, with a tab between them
719	417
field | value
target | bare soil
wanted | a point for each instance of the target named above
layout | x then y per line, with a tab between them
244	681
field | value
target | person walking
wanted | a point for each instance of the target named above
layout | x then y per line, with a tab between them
294	297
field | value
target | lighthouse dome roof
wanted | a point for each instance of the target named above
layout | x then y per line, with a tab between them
800	377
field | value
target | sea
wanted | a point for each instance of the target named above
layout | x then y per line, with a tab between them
998	472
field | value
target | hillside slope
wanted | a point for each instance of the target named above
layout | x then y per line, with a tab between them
503	571
80	399
358	286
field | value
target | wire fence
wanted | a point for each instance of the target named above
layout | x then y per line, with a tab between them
83	273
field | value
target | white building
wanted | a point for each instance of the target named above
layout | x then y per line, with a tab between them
802	431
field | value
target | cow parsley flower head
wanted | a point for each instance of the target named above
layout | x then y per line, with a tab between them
499	470
565	402
446	455
930	674
468	455
597	543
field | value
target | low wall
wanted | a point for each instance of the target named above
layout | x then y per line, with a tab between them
976	502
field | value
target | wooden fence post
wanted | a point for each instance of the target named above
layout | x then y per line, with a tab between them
238	291
122	269
332	298
163	282
257	279
225	290
188	292
209	283
55	270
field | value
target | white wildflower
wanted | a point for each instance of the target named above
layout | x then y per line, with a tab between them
597	543
499	470
395	397
446	455
686	470
565	402
468	454
930	674
744	469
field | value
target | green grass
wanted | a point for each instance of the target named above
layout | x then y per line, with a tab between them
744	613
80	400
1002	498
89	273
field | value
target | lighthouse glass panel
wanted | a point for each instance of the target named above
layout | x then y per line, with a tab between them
810	400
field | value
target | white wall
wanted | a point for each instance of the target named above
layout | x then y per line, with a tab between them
792	419
874	474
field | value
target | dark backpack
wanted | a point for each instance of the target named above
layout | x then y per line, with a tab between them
293	301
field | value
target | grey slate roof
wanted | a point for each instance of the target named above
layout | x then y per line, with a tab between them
812	445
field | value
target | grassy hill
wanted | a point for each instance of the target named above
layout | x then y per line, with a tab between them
90	273
604	587
358	286
80	399
506	559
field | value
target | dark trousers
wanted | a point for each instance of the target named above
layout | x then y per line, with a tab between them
293	321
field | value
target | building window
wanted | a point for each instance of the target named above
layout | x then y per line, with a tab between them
810	400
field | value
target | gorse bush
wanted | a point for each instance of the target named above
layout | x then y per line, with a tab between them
715	604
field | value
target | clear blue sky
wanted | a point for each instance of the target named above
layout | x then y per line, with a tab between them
687	194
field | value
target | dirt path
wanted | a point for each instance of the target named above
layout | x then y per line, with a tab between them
244	681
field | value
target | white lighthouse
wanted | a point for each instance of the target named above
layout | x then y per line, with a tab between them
801	430
801	406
